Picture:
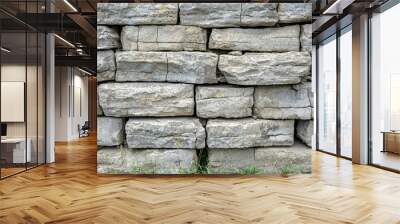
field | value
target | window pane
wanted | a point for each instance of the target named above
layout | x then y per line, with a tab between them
327	96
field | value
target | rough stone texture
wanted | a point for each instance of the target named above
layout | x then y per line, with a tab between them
177	133
224	101
210	15
137	13
107	38
282	102
259	14
110	131
306	37
105	65
304	131
247	133
265	68
99	110
165	38
147	161
146	99
187	67
295	12
271	160
279	39
130	37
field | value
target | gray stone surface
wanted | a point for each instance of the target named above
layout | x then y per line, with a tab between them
295	12
110	131
265	68
107	38
306	37
164	38
137	13
187	67
180	133
259	14
304	131
277	39
270	160
147	161
247	133
129	38
105	65
210	15
146	99
282	102
224	101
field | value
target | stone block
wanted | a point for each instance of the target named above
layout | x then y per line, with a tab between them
105	65
137	13
129	38
224	101
146	99
110	131
265	68
248	132
259	14
306	37
295	12
177	133
107	38
277	39
304	131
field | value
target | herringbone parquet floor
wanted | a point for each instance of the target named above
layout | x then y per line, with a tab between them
70	191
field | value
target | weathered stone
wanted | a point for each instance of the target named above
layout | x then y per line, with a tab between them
246	133
164	38
259	14
147	161
165	133
105	65
224	101
306	37
304	131
146	99
210	15
107	38
187	67
279	39
295	12
271	160
282	102
235	53
137	13
129	38
141	66
99	110
265	68
110	131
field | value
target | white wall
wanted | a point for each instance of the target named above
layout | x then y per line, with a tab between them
70	83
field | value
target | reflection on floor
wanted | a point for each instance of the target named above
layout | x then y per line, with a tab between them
387	159
70	191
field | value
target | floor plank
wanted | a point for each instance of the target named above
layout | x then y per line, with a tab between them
70	191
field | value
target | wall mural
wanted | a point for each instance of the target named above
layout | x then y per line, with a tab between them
204	88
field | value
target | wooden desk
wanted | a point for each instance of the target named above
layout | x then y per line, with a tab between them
13	150
391	141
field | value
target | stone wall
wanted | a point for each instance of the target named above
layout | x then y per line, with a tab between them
204	88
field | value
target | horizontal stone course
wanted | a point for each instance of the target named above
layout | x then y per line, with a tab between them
178	133
137	13
186	67
277	39
224	101
105	65
107	38
283	102
147	161
146	99
110	131
265	68
247	133
271	160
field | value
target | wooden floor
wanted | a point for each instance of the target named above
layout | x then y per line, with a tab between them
70	191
